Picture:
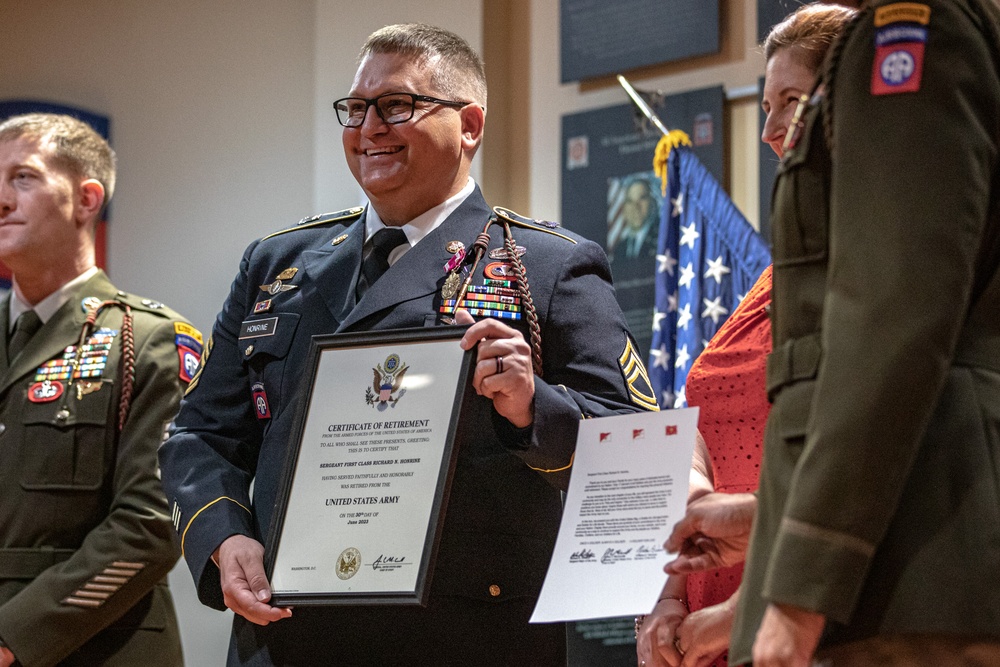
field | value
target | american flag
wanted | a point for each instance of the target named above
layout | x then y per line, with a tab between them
708	258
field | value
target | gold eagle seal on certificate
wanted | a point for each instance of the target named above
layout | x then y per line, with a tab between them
387	386
348	563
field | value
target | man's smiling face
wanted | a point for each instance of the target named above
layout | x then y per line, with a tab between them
406	168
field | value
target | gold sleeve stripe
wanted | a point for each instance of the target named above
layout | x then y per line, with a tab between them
642	400
82	593
114	572
834	537
81	602
188	526
91	586
555	469
127	565
633	369
102	586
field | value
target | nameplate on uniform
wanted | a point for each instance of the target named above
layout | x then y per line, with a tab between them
258	328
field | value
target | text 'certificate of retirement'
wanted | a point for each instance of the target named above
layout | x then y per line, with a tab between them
628	489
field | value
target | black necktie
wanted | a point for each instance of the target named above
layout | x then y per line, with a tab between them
375	260
27	325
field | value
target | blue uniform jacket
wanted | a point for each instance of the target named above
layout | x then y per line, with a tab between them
504	507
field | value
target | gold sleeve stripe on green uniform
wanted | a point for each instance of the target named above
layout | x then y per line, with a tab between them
810	531
555	469
188	526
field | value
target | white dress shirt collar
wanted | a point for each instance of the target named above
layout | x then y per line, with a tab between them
420	226
48	306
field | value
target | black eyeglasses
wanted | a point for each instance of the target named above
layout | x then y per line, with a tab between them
392	108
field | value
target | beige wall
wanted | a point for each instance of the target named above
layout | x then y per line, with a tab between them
210	105
211	116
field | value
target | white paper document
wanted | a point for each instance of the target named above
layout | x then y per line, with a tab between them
628	488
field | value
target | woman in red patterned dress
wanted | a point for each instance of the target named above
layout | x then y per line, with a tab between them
690	625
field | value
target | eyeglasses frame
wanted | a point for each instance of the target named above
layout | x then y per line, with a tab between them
373	102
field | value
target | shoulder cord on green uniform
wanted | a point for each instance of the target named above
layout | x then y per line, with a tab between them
480	245
128	355
830	69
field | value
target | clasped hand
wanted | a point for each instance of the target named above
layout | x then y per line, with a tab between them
503	368
714	533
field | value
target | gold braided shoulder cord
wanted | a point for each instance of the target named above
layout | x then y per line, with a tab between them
128	355
479	247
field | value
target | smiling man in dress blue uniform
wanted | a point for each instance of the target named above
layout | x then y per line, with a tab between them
413	121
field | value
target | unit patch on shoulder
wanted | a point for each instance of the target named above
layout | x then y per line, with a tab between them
260	404
188	341
900	37
189	362
640	389
193	382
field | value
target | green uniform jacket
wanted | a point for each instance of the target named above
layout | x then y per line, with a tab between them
85	537
879	502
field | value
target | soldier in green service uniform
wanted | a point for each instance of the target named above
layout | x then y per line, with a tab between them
89	378
877	536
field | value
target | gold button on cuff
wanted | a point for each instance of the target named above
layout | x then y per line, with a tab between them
494	590
249	350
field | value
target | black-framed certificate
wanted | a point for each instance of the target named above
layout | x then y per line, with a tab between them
366	482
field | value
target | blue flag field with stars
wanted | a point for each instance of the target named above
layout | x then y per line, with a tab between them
708	258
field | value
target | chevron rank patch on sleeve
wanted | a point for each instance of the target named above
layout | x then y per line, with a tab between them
640	389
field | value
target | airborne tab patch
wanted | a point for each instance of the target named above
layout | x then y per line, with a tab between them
902	12
187	330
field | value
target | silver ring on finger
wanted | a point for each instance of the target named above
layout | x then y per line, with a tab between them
499	365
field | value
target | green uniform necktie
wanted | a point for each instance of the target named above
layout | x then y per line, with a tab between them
375	260
27	325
